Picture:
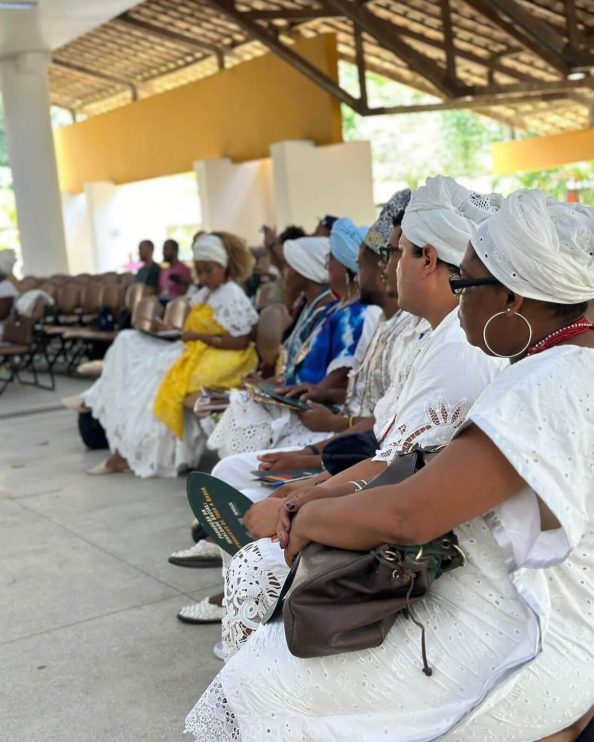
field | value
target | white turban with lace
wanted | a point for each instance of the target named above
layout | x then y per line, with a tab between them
444	214
540	248
307	256
210	248
7	261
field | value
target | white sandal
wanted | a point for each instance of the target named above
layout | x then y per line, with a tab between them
104	468
75	404
203	554
202	612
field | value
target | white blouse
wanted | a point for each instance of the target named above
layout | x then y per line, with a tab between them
231	306
446	378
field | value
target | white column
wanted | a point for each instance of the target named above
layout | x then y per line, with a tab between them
25	91
80	245
108	252
311	181
237	198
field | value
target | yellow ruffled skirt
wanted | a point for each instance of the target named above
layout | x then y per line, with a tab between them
200	365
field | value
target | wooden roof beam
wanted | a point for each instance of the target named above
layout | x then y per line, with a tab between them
490	62
189	42
542	86
98	75
470	102
525	28
514	121
448	40
383	32
361	69
571	21
288	14
269	38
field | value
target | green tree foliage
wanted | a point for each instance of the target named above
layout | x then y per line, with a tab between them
407	148
465	142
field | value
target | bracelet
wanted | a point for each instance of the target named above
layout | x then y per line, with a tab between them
314	449
216	341
358	486
351	418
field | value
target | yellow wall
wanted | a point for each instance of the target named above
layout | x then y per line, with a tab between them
237	113
540	153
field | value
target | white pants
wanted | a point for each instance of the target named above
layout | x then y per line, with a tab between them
237	471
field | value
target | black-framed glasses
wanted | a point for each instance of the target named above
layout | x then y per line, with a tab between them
386	252
459	284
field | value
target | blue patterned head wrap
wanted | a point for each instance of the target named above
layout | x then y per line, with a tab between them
379	232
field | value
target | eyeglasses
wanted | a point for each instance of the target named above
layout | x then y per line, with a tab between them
386	252
459	284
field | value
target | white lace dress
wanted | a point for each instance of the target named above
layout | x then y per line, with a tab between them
248	426
123	397
510	635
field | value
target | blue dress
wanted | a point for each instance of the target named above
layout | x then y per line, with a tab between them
334	341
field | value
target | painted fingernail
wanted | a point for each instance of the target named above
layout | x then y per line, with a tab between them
291	506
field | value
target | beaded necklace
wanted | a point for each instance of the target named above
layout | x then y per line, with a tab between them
581	325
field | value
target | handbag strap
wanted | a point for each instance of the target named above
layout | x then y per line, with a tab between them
404	466
276	610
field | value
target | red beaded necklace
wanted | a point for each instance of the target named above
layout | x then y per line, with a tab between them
581	325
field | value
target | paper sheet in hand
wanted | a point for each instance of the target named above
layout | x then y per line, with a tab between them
170	335
278	478
220	509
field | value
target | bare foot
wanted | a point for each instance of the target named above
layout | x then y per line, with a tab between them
217	599
117	462
114	464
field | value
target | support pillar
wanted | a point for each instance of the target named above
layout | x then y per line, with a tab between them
25	90
311	181
236	198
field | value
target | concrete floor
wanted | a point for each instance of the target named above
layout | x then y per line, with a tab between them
90	649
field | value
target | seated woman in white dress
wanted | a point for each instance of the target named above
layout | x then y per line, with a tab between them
510	635
139	397
322	362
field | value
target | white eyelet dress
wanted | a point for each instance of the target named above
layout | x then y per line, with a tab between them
510	636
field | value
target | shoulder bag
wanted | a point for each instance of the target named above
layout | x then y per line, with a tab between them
336	600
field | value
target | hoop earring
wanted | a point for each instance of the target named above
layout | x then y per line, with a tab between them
349	284
501	355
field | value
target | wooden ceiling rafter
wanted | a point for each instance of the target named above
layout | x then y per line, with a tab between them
202	47
508	57
131	85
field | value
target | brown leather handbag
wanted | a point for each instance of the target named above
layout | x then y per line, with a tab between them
336	600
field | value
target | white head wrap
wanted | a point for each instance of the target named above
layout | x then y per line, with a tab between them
7	261
210	247
444	214
307	256
540	248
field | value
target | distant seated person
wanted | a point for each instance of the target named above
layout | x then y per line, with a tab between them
176	277
149	273
8	291
324	226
